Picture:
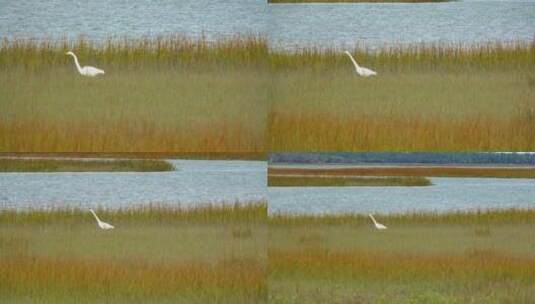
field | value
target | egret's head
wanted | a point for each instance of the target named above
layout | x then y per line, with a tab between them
347	52
69	53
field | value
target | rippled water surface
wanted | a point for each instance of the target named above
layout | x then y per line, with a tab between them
372	25
286	25
447	194
194	182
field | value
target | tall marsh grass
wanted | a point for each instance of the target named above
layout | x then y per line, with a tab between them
412	171
171	95
459	257
478	216
161	254
254	212
79	165
356	1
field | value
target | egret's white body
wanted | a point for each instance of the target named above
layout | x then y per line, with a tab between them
364	72
377	225
87	70
101	224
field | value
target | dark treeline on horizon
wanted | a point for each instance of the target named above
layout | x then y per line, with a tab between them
479	158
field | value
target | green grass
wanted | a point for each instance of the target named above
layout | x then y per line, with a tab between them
235	254
161	254
167	95
235	96
343	181
79	165
476	257
424	98
357	1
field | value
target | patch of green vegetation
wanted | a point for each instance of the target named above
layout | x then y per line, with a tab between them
82	165
424	98
357	1
158	95
343	181
412	171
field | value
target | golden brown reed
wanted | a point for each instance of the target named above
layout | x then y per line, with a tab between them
323	262
253	212
356	1
472	217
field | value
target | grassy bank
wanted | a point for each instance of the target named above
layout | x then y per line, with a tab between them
167	95
144	155
479	257
424	98
414	171
78	165
285	180
155	254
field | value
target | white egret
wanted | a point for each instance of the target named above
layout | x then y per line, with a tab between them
87	70
377	225
101	224
364	72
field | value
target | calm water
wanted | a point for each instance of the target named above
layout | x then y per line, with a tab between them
194	182
287	26
447	194
372	25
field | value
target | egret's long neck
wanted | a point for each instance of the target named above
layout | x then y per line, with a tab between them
353	60
373	219
95	215
78	67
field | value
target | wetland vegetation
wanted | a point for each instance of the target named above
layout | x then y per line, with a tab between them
458	257
287	180
414	171
214	254
357	1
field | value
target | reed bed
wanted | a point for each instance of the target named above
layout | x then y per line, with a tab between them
84	281
79	165
425	98
286	180
479	216
152	213
415	171
461	257
237	96
172	51
163	254
403	58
